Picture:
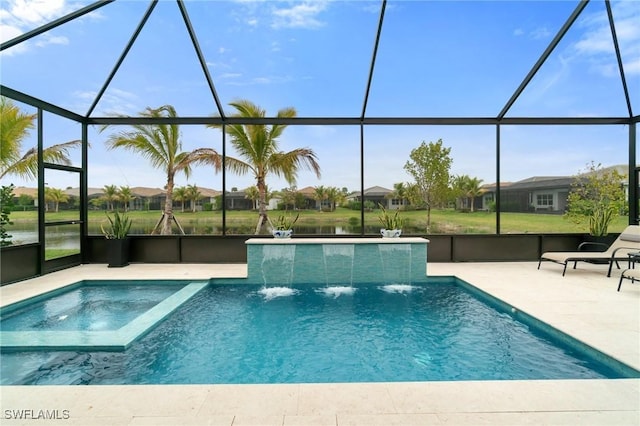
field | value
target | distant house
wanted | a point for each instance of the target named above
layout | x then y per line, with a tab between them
310	201
237	200
544	194
378	195
535	194
207	196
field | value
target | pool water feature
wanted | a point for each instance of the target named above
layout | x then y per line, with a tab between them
89	314
338	261
233	332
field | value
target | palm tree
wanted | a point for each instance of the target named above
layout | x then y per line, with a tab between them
258	145
400	191
458	186
334	195
110	195
180	194
193	194
161	145
125	196
252	194
55	196
320	194
473	190
14	128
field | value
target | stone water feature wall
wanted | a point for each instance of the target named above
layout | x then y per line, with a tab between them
336	261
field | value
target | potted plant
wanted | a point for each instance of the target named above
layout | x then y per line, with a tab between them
391	223
597	197
283	227
117	239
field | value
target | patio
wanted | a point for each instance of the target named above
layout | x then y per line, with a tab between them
584	304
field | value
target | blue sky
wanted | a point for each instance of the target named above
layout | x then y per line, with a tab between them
436	59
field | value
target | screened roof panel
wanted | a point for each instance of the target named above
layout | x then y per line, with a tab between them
20	17
161	68
581	77
626	15
67	65
458	58
435	59
314	56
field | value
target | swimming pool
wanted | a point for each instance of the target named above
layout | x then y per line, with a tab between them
93	315
440	329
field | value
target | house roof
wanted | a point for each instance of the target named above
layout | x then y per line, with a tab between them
373	191
307	190
542	182
207	192
23	190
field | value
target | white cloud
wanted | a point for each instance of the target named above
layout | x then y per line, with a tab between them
596	43
518	32
20	16
47	39
300	15
119	102
540	33
230	75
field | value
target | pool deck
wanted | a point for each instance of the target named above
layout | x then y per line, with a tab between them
584	304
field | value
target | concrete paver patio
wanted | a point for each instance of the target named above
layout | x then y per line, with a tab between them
584	304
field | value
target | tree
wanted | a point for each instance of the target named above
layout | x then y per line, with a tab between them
473	190
597	195
465	190
110	195
399	192
24	201
458	184
258	145
180	194
14	128
125	196
429	165
55	196
161	145
6	204
334	196
251	193
193	194
320	194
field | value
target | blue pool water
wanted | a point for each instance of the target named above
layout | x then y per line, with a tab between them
90	307
231	333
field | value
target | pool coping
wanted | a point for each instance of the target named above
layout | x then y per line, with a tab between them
584	304
102	340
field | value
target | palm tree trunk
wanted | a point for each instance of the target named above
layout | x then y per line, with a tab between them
262	204
167	220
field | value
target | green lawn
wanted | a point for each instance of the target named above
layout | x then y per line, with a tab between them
442	221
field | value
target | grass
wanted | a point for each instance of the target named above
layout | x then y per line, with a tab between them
442	221
56	253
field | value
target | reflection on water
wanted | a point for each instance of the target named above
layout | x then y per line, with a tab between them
67	237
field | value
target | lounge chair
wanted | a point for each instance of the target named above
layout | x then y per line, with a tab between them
632	274
627	242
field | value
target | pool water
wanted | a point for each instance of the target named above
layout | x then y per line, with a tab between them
90	307
312	333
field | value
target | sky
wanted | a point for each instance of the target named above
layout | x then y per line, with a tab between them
435	59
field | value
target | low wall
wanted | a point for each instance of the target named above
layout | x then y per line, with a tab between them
342	261
23	262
